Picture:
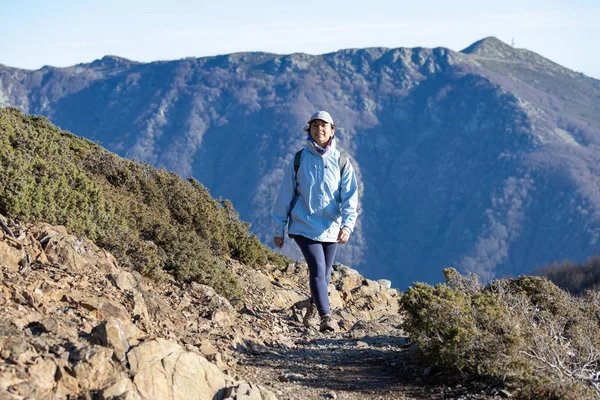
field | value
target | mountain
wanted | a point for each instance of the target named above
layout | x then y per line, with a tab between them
484	159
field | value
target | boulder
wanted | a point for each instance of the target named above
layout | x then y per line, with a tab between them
78	254
162	369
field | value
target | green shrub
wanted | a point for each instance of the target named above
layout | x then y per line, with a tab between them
525	331
150	219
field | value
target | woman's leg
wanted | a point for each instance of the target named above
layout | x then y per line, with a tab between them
330	250
319	273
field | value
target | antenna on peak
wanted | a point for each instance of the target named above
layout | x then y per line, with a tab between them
512	42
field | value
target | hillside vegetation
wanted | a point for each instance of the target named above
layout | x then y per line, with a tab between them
150	219
525	333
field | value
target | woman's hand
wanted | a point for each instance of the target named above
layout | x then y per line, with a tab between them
278	241
343	236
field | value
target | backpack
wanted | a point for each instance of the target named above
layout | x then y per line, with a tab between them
342	163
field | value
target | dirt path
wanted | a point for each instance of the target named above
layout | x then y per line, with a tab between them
362	363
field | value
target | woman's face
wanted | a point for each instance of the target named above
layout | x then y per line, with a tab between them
321	132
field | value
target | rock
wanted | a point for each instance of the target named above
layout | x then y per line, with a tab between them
66	384
330	395
385	283
291	377
160	313
92	366
123	280
257	348
375	328
140	311
207	294
248	391
194	376
42	375
345	280
217	359
222	318
505	393
110	333
19	350
207	348
100	307
218	308
122	388
335	299
368	288
345	270
163	370
285	298
10	256
78	254
50	325
43	231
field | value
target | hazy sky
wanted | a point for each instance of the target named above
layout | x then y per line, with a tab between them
38	33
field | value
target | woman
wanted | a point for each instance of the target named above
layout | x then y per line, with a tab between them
318	199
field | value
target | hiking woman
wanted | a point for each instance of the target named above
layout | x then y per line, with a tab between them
318	202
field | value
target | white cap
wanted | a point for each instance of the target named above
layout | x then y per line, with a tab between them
323	116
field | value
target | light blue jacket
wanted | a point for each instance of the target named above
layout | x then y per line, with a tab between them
325	203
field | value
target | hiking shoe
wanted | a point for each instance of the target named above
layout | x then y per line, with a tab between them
327	324
311	313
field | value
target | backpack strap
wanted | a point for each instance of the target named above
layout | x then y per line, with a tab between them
297	158
342	165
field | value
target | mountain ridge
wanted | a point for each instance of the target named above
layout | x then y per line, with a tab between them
490	47
484	144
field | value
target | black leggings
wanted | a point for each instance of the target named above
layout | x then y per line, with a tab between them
319	256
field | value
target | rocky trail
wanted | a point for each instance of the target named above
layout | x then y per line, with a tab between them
338	366
74	325
372	360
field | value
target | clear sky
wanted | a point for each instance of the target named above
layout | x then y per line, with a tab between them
62	33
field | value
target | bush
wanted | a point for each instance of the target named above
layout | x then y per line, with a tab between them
150	219
525	331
